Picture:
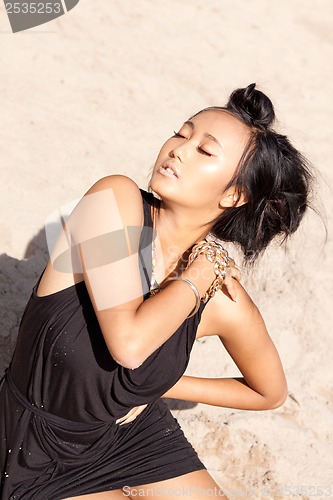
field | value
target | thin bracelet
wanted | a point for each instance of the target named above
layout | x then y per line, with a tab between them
195	291
216	254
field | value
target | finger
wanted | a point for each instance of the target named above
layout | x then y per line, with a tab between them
231	261
131	415
235	273
230	285
122	419
232	292
233	269
128	420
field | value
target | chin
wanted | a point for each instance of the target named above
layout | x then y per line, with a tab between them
156	187
164	189
152	186
155	193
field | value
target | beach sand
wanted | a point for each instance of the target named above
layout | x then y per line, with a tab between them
97	92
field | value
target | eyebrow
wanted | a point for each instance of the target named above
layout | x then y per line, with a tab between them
209	136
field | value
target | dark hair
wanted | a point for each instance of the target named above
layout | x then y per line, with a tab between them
272	174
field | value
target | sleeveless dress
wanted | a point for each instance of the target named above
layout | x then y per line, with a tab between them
63	392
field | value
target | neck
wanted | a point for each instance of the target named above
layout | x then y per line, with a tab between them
176	234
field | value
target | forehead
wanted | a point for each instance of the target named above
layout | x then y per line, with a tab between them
228	129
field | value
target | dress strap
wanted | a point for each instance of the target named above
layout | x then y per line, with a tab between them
145	245
148	202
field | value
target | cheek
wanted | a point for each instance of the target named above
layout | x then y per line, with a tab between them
215	176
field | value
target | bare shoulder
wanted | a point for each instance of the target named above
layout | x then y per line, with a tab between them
121	183
101	217
123	187
222	316
120	191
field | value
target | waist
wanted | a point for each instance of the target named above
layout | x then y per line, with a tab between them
50	417
61	421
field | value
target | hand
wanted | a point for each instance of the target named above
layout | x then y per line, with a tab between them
233	273
131	415
203	255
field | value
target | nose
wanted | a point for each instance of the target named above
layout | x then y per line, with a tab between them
180	151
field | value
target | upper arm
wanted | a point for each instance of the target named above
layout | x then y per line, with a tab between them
111	206
105	230
103	215
243	333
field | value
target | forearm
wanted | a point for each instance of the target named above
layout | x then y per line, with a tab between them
226	392
132	332
160	316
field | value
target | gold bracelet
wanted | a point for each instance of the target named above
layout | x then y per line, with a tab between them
196	293
216	254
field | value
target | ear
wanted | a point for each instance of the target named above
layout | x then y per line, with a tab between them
232	197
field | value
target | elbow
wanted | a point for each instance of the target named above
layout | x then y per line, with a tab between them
277	400
277	395
128	358
272	405
129	363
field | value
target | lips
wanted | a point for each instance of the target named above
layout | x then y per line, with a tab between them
169	170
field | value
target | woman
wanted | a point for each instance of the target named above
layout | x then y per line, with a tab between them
100	341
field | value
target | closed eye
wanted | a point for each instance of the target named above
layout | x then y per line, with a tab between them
202	151
177	134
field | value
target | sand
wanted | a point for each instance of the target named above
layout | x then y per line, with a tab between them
97	92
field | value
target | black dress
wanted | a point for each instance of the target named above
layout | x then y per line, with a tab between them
63	392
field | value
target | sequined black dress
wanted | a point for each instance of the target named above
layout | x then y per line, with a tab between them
63	392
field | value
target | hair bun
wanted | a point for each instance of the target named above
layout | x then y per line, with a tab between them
252	106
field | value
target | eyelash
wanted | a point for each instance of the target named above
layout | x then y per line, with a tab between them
202	151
